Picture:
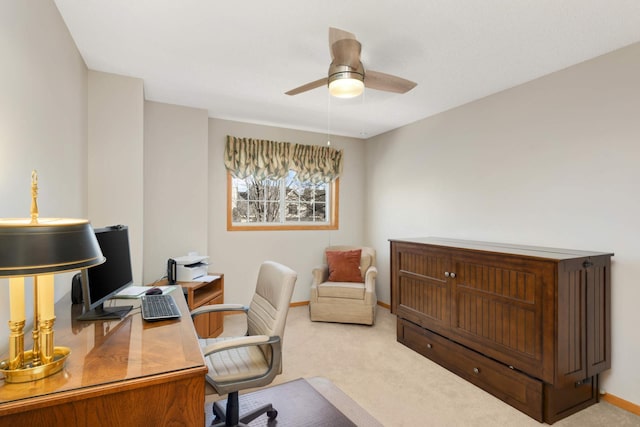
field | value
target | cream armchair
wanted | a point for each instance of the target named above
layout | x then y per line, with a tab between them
345	301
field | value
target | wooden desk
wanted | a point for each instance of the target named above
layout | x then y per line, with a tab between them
120	373
204	293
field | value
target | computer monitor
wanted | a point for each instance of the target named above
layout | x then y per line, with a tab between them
102	282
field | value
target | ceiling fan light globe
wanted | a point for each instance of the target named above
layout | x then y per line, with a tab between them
346	87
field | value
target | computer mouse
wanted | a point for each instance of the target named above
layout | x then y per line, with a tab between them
153	291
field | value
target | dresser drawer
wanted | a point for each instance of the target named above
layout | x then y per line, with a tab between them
511	386
562	402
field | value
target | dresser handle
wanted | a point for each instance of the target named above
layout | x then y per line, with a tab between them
447	274
453	275
429	345
476	371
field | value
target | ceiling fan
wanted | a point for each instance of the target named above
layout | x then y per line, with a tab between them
347	77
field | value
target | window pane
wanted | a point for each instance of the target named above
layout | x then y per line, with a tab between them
272	211
306	211
319	211
240	211
292	212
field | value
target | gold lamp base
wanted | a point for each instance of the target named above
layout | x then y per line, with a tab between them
32	373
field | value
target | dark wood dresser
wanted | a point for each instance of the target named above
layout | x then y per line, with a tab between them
530	325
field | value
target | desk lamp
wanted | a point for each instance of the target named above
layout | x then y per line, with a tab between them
38	248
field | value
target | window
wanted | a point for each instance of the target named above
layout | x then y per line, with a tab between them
280	185
281	204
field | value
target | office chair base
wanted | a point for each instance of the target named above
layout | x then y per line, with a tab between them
230	417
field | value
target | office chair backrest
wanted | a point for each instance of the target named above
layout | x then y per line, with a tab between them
270	304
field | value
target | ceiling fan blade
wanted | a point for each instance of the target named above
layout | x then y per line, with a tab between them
308	86
346	52
336	34
387	82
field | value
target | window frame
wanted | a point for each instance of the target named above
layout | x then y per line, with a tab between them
333	213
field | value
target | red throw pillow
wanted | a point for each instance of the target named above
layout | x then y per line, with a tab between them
344	266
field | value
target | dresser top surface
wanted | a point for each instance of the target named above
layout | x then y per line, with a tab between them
504	248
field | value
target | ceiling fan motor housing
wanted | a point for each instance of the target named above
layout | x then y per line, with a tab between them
338	71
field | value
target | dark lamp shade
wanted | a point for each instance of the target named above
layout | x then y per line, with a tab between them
51	245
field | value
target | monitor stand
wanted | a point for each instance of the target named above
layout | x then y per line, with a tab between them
110	313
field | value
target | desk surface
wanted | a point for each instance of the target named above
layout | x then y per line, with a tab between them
106	355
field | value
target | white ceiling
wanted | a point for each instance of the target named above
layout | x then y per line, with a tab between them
237	58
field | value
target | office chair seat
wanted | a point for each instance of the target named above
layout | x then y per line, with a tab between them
236	363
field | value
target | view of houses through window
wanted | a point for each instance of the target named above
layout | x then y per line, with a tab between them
279	202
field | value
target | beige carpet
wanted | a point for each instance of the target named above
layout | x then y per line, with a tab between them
397	386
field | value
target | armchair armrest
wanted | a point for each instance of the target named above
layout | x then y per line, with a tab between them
216	308
370	285
320	274
370	276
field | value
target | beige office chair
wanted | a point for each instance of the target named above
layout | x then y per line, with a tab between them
239	363
352	301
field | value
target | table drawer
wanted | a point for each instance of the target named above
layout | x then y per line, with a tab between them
511	386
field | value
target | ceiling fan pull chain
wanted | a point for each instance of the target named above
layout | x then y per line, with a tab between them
328	119
363	133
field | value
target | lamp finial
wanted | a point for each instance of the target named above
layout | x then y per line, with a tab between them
34	196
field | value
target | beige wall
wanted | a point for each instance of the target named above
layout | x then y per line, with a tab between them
115	157
553	162
43	123
238	254
175	185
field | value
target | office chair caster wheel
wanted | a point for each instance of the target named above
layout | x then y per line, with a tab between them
272	414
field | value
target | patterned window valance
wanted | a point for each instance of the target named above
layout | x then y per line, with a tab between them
271	159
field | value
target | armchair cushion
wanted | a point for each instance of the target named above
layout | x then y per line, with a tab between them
348	290
344	266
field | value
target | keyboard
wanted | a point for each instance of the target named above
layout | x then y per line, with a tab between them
159	307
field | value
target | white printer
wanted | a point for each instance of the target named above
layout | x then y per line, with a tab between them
191	267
